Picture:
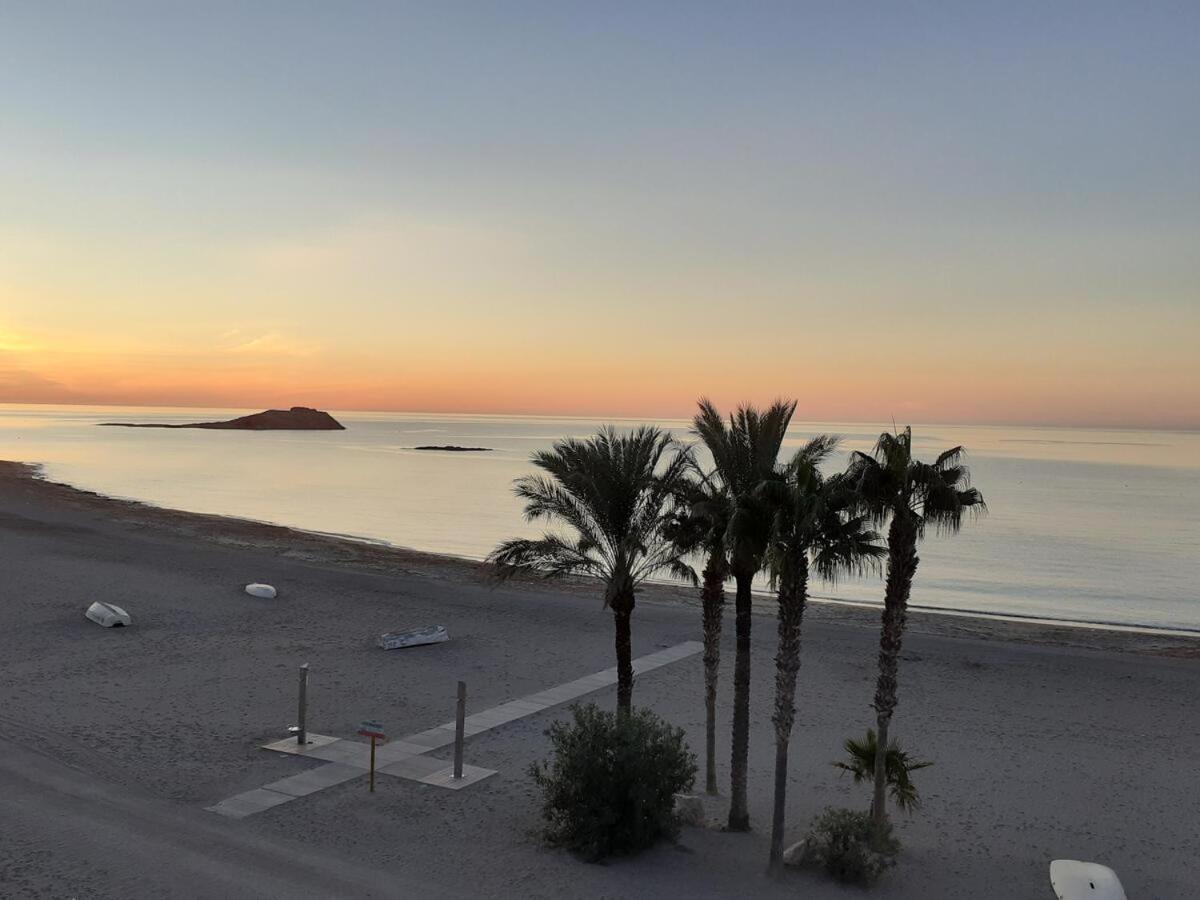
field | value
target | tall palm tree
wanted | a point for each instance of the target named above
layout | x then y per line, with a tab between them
614	491
700	528
744	453
913	495
815	529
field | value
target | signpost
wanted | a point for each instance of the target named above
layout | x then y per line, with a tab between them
459	720
374	731
302	717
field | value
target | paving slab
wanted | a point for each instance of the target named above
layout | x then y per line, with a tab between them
445	778
314	780
350	753
241	805
415	767
289	745
432	739
393	751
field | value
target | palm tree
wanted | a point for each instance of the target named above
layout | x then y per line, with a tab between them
913	495
609	490
814	530
862	751
744	452
700	528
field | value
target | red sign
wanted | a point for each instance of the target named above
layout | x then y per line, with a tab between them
372	730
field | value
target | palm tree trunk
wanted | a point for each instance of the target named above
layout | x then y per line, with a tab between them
902	566
622	607
793	596
739	815
712	597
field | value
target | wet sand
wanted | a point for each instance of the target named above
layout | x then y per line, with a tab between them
1048	742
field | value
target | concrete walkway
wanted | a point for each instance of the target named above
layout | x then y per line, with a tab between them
405	758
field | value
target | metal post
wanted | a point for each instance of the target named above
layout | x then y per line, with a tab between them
459	725
301	729
372	764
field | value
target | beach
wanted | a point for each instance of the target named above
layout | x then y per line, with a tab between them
1047	742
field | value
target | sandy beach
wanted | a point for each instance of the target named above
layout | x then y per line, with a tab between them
1047	742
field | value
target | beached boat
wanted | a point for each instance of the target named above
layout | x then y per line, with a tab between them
108	614
1075	880
413	637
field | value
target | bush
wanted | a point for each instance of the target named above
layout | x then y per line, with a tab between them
849	846
610	786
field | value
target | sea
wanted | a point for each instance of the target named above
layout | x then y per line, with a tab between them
1096	527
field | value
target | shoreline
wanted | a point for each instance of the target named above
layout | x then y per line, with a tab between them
305	545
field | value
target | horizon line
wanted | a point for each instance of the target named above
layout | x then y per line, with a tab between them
1187	429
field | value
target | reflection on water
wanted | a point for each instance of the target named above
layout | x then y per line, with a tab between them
1093	525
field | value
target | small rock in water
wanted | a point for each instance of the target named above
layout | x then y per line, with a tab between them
689	809
265	591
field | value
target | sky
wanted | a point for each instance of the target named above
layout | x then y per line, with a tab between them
933	212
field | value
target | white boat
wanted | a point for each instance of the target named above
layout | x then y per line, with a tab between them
109	615
265	591
1075	880
413	637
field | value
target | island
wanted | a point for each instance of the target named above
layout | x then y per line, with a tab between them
298	418
453	449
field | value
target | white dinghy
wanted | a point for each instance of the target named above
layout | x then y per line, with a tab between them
414	637
1074	880
265	591
109	615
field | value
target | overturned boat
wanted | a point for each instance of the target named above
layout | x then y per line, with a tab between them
109	615
413	637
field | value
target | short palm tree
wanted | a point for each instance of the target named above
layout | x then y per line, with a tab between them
900	766
700	529
744	453
815	529
614	492
913	495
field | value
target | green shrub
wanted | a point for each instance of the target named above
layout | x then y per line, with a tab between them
610	786
849	846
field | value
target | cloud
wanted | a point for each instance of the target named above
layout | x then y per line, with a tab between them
18	385
264	343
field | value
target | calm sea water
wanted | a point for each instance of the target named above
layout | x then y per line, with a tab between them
1084	525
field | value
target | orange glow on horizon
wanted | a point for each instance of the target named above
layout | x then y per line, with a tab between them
31	372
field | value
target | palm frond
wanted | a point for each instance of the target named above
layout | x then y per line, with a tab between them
622	495
898	767
549	556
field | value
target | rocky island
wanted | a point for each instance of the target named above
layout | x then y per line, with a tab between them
298	418
455	449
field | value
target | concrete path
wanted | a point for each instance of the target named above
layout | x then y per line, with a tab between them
404	758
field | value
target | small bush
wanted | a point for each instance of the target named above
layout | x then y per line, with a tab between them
849	846
610	786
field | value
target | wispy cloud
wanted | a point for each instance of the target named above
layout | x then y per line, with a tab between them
264	343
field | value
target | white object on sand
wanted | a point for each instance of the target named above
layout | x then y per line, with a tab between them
414	637
265	591
109	615
1074	880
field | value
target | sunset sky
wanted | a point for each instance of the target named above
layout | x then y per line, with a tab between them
919	211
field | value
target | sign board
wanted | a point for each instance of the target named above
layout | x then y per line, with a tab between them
372	730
